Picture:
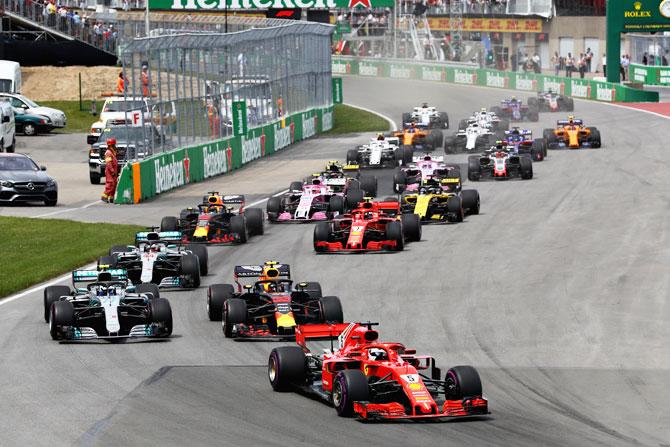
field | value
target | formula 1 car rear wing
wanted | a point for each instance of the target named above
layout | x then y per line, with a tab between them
255	271
161	236
324	331
568	123
83	276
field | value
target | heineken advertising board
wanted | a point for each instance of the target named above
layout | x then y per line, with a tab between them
233	5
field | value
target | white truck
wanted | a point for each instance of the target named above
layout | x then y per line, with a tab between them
10	77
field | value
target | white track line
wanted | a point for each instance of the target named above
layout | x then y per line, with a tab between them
67	210
258	202
392	123
39	287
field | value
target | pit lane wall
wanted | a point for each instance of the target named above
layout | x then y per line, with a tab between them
527	82
166	171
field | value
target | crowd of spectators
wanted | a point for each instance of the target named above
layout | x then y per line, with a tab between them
370	22
74	21
439	7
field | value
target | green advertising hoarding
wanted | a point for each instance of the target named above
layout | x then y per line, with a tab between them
239	118
163	172
249	5
649	74
525	82
337	91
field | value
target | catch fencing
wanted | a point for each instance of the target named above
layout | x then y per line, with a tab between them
235	96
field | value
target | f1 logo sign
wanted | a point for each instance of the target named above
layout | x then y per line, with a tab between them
137	118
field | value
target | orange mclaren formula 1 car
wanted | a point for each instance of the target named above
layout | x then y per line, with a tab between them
271	306
373	226
372	380
572	134
418	136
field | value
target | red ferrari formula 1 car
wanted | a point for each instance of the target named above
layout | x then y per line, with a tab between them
369	379
272	306
373	226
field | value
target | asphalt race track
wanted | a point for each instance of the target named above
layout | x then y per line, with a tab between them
558	293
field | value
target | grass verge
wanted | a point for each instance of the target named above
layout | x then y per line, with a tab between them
35	250
348	119
78	121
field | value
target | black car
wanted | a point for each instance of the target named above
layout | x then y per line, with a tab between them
131	143
22	180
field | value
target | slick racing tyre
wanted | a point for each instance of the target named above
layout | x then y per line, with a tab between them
217	294
470	201
353	198
203	257
254	217
352	157
526	168
336	204
349	386
399	181
62	314
234	312
149	288
169	223
594	138
313	289
51	295
450	145
189	267
238	226
462	382
274	208
474	169
369	185
411	227
295	186
161	313
330	309
455	209
287	366
321	234
444	119
394	233
435	139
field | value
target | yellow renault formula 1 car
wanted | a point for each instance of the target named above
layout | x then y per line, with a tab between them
440	201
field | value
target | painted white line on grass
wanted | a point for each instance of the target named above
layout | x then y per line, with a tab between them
67	210
42	286
392	123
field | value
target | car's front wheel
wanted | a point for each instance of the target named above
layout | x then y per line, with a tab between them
29	130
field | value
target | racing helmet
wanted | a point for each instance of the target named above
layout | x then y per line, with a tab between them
380	137
214	200
427	157
316	181
571	119
500	145
377	354
424	105
333	166
513	99
111	142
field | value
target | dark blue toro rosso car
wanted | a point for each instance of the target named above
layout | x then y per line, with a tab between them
515	110
521	141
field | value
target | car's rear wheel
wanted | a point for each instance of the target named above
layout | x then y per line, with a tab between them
313	289
161	313
203	257
526	168
190	267
62	314
399	180
474	169
148	288
94	178
238	226
234	312
254	218
295	186
350	386
169	223
411	227
287	366
436	138
29	129
330	309
470	201
353	198
274	208
394	233
217	294
369	185
336	204
455	209
51	295
461	382
352	156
